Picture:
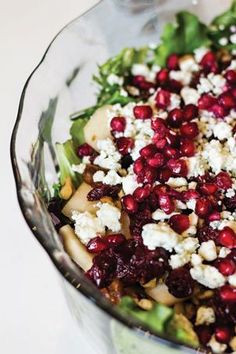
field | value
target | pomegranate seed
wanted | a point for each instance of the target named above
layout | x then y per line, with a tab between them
175	86
139	165
115	239
124	145
148	151
187	147
156	161
206	101
227	237
230	76
215	216
175	118
162	76
159	127
179	223
223	180
138	79
190	194
226	266
189	130
143	112
166	203
204	334
164	175
162	99
118	124
208	188
203	207
209	62
97	245
228	294
142	193
172	138
173	62
227	100
190	111
129	203
160	144
222	334
171	152
219	111
150	175
85	150
178	167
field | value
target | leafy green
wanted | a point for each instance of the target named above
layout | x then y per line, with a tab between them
67	157
56	189
182	37
77	131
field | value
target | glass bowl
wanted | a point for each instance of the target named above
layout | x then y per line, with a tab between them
59	86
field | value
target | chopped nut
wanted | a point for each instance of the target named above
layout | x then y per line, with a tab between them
106	200
205	295
145	304
205	315
123	172
190	311
67	189
179	308
232	343
151	284
132	90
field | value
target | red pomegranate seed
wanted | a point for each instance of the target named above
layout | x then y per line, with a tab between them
156	161
172	138
159	127
215	216
171	152
115	239
162	76
138	165
118	124
124	145
187	147
227	237
227	294
190	111
150	175
206	101
161	143
178	167
175	86
227	100
175	118
142	193
189	130
143	112
137	79
129	203
219	111
208	188
179	223
209	62
85	150
162	99
204	334
97	244
164	175
166	203
223	180
173	62
148	151
226	266
190	194
203	207
230	76
222	334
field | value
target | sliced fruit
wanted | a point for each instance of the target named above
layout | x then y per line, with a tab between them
161	294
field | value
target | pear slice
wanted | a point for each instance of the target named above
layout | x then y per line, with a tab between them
98	127
79	201
162	295
76	250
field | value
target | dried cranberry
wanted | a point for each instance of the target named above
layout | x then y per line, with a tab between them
230	203
207	233
175	118
143	112
179	223
85	150
180	283
124	145
162	99
204	334
225	311
104	190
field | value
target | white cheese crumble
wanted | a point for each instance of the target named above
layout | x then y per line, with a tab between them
79	168
205	315
87	226
216	347
232	280
196	260
129	184
199	53
208	276
140	69
222	131
179	260
207	250
109	216
230	193
159	235
109	156
177	182
196	166
232	38
224	251
160	215
112	178
113	79
175	101
190	95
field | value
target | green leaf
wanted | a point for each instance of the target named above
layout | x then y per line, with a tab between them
181	328
77	131
182	37
67	157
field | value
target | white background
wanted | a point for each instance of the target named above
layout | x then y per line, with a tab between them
34	318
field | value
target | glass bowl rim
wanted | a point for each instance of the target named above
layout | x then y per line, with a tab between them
99	300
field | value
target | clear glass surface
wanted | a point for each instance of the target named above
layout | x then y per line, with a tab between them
59	86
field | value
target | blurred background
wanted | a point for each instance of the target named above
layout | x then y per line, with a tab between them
34	315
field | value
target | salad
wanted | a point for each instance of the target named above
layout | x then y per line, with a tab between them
146	198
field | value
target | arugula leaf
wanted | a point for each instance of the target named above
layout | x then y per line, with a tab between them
187	34
77	131
67	157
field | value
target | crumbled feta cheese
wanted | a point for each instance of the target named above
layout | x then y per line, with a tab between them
174	101
79	168
208	276
87	226
222	130
216	347
207	250
183	77
177	182
140	69
204	85
189	245
232	38
232	280
109	156
113	79
218	82
196	166
230	193
159	235
196	260
223	41
179	260
98	176
205	315
191	204
232	65
215	155
112	178
160	215
129	184
224	251
190	95
109	216
199	53
188	64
